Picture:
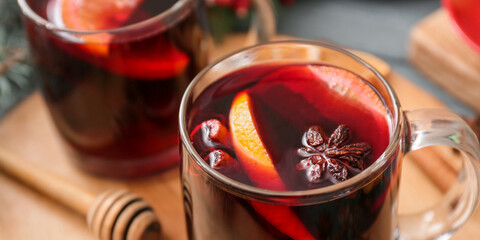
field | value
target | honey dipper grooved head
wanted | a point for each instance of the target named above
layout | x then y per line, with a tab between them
119	214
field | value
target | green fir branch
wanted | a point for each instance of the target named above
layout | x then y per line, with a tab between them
15	71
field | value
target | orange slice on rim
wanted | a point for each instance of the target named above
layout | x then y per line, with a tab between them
93	15
154	59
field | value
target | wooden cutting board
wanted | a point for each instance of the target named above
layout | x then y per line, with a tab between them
26	214
437	50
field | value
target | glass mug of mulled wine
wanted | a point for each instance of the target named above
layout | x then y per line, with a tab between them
113	72
304	140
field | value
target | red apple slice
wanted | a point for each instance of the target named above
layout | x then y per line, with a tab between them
309	94
321	83
157	59
259	167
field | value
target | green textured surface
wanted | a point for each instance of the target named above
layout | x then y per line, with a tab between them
15	72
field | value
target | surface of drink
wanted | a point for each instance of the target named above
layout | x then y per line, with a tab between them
290	127
114	94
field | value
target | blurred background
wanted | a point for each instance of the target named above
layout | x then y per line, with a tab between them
379	27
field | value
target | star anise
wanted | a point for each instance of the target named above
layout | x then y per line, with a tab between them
333	157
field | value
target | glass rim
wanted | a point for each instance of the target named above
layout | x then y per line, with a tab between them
31	14
337	190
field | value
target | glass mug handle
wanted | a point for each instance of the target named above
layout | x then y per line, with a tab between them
439	127
262	29
265	20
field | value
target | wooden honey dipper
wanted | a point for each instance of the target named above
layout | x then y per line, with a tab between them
112	215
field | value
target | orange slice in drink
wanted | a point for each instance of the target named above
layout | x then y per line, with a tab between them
259	167
93	15
251	152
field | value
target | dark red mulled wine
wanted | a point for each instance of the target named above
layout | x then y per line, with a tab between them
290	127
114	95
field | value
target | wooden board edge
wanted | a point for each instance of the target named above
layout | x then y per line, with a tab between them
427	54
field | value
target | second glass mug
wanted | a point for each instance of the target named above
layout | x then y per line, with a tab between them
114	90
363	207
